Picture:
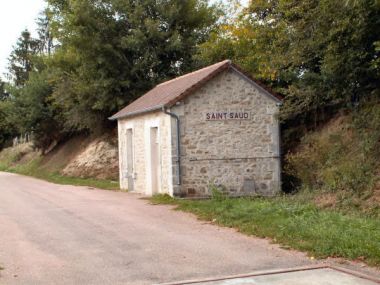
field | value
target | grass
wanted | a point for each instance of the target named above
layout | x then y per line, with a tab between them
32	168
292	223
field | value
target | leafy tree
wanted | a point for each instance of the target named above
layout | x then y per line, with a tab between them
30	110
233	38
239	42
7	131
111	51
20	60
323	50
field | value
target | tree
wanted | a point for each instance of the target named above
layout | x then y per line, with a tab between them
231	39
323	50
29	110
7	131
112	51
45	38
3	93
20	60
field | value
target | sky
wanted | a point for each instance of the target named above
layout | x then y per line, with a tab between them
15	16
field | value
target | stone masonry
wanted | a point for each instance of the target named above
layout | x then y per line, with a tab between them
240	156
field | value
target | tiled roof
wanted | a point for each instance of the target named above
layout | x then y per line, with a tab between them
168	93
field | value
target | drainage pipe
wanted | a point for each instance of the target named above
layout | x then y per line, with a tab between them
178	158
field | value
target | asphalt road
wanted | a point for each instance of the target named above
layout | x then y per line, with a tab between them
54	234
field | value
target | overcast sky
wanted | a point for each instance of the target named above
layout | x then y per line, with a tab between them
15	16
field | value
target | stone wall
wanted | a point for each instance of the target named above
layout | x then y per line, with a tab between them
141	143
240	155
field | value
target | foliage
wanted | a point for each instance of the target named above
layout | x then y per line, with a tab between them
39	116
325	52
217	192
21	58
342	158
45	37
235	42
7	130
26	106
3	93
112	51
295	224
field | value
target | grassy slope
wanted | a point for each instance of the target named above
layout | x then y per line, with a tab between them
339	165
292	223
22	160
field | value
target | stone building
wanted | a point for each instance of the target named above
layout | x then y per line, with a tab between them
212	127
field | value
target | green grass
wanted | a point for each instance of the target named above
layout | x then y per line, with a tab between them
32	168
295	224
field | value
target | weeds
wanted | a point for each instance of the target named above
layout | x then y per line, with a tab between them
218	193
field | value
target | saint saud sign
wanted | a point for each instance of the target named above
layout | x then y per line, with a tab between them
227	115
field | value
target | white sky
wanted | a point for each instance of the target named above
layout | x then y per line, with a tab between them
15	16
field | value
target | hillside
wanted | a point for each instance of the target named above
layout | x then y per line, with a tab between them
338	165
82	160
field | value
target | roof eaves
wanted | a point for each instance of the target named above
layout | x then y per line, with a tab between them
130	114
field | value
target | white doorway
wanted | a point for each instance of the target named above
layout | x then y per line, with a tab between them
130	169
155	160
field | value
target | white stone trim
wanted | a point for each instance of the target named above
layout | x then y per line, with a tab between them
121	152
123	126
170	156
148	124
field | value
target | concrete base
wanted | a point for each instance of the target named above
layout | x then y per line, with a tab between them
320	275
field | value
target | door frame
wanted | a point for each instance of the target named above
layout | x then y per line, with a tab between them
155	163
130	161
153	123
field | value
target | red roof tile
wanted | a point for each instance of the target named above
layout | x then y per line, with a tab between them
168	93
